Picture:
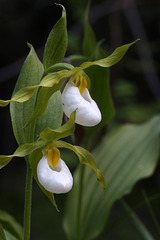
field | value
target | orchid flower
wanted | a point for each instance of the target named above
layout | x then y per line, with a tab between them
76	96
52	172
49	170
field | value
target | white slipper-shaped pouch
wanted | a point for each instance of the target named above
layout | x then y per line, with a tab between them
87	111
56	180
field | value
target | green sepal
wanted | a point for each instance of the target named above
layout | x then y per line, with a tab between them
24	94
85	158
57	78
22	151
58	67
4	103
89	41
56	44
109	61
21	96
54	79
65	130
34	160
116	56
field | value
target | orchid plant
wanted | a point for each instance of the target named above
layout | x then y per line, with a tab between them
43	92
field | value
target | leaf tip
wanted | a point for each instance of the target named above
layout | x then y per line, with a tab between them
63	11
29	45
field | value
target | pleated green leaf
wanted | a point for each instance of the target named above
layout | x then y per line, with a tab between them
64	131
31	74
51	117
43	98
100	92
34	160
56	44
85	158
10	225
126	155
22	151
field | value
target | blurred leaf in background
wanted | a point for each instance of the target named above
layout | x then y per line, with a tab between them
126	155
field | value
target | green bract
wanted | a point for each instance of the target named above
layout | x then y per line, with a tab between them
56	44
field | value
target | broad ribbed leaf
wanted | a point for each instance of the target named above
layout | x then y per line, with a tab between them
10	225
51	117
89	41
31	74
100	92
56	44
126	155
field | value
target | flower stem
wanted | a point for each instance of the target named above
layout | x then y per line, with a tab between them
27	206
80	199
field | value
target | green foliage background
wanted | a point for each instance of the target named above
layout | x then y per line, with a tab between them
135	100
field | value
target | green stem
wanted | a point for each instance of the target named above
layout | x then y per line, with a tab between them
151	211
80	201
27	207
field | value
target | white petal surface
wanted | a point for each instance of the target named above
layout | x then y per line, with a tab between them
88	113
57	180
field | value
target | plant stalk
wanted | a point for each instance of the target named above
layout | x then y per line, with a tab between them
80	199
27	206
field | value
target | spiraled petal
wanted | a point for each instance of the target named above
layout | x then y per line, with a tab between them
57	180
87	113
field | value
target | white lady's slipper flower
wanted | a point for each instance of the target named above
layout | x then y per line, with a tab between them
52	172
75	96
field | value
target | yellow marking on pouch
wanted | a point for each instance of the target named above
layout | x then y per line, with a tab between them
53	155
81	83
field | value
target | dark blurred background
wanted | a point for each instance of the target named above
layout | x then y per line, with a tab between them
134	81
